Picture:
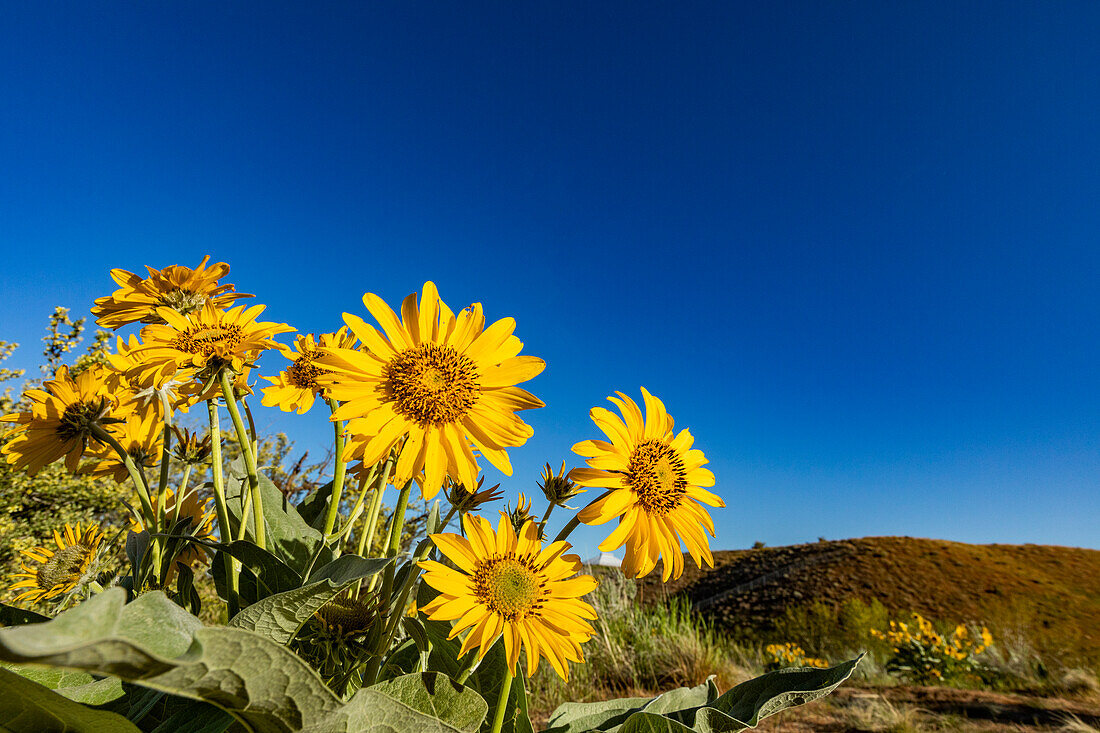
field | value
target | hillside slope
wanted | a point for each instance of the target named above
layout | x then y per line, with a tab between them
1050	593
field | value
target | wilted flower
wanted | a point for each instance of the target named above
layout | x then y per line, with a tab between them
177	287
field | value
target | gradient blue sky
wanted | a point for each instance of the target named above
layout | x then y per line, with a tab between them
853	246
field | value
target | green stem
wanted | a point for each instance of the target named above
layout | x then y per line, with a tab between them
143	493
546	518
393	545
366	539
338	474
575	521
502	701
225	529
135	473
165	465
371	522
422	552
249	460
182	493
398	522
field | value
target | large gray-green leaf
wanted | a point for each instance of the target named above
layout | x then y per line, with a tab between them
578	717
767	694
279	617
457	706
28	707
288	535
77	686
698	710
154	643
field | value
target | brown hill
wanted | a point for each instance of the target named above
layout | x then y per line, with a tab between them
1050	593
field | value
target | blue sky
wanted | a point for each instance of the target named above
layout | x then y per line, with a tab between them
853	246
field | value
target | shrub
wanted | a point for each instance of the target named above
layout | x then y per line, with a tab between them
926	656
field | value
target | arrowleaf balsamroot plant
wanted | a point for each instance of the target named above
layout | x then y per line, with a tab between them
438	631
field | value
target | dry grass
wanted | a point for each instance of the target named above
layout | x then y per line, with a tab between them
1073	724
875	714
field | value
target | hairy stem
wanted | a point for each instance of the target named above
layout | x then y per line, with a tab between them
575	521
245	441
338	473
142	488
502	701
225	529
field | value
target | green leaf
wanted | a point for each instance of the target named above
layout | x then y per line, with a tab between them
15	616
77	686
312	509
263	574
768	694
683	698
288	535
28	707
154	643
698	710
430	692
577	717
279	617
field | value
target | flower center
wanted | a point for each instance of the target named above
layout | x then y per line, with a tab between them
66	566
78	417
348	616
432	384
180	300
508	587
209	340
303	372
657	474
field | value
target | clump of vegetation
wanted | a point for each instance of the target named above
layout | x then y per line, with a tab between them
926	656
790	655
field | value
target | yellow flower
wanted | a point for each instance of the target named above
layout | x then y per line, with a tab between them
443	381
140	436
56	572
177	287
201	526
508	584
61	420
297	387
204	341
149	390
656	481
